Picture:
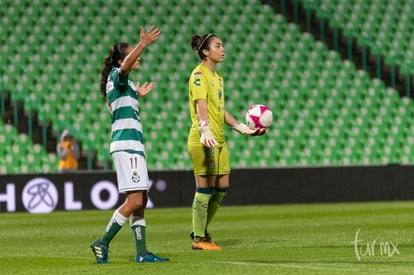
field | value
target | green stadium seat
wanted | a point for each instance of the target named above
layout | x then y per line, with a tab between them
315	96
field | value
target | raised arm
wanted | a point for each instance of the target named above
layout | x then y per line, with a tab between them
146	38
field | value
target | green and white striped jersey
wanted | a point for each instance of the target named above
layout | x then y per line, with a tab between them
126	123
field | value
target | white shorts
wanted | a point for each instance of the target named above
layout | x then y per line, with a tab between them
131	171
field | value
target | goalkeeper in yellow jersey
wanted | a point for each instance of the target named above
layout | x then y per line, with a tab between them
206	142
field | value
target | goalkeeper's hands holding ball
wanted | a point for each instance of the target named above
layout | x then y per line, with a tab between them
241	127
245	130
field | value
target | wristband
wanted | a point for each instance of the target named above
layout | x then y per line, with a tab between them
202	123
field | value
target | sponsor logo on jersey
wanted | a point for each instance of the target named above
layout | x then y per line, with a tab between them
109	86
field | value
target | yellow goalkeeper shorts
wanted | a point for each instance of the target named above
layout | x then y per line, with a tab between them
209	161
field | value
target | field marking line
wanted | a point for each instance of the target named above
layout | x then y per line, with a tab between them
296	266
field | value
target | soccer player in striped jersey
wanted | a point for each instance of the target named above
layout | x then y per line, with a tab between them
206	141
127	145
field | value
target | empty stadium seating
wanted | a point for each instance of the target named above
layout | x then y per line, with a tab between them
326	112
384	26
20	155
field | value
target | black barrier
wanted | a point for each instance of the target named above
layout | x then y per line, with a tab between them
44	193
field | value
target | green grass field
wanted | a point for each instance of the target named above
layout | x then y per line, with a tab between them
278	239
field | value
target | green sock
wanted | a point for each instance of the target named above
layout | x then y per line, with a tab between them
138	226
214	203
200	206
114	225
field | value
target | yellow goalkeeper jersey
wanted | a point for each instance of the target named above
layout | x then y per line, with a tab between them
203	84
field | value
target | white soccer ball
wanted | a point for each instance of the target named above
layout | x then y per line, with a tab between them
259	116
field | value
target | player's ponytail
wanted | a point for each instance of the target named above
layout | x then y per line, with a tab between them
199	43
116	53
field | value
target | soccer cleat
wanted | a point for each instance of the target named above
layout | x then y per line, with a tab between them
100	251
150	258
207	236
200	243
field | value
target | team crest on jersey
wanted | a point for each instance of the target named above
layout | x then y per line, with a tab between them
109	86
197	82
211	83
221	82
135	177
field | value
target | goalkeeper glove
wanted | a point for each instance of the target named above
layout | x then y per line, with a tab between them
207	137
243	129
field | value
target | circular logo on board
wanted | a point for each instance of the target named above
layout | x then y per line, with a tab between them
40	196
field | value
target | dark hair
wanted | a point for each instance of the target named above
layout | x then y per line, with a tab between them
116	53
201	42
